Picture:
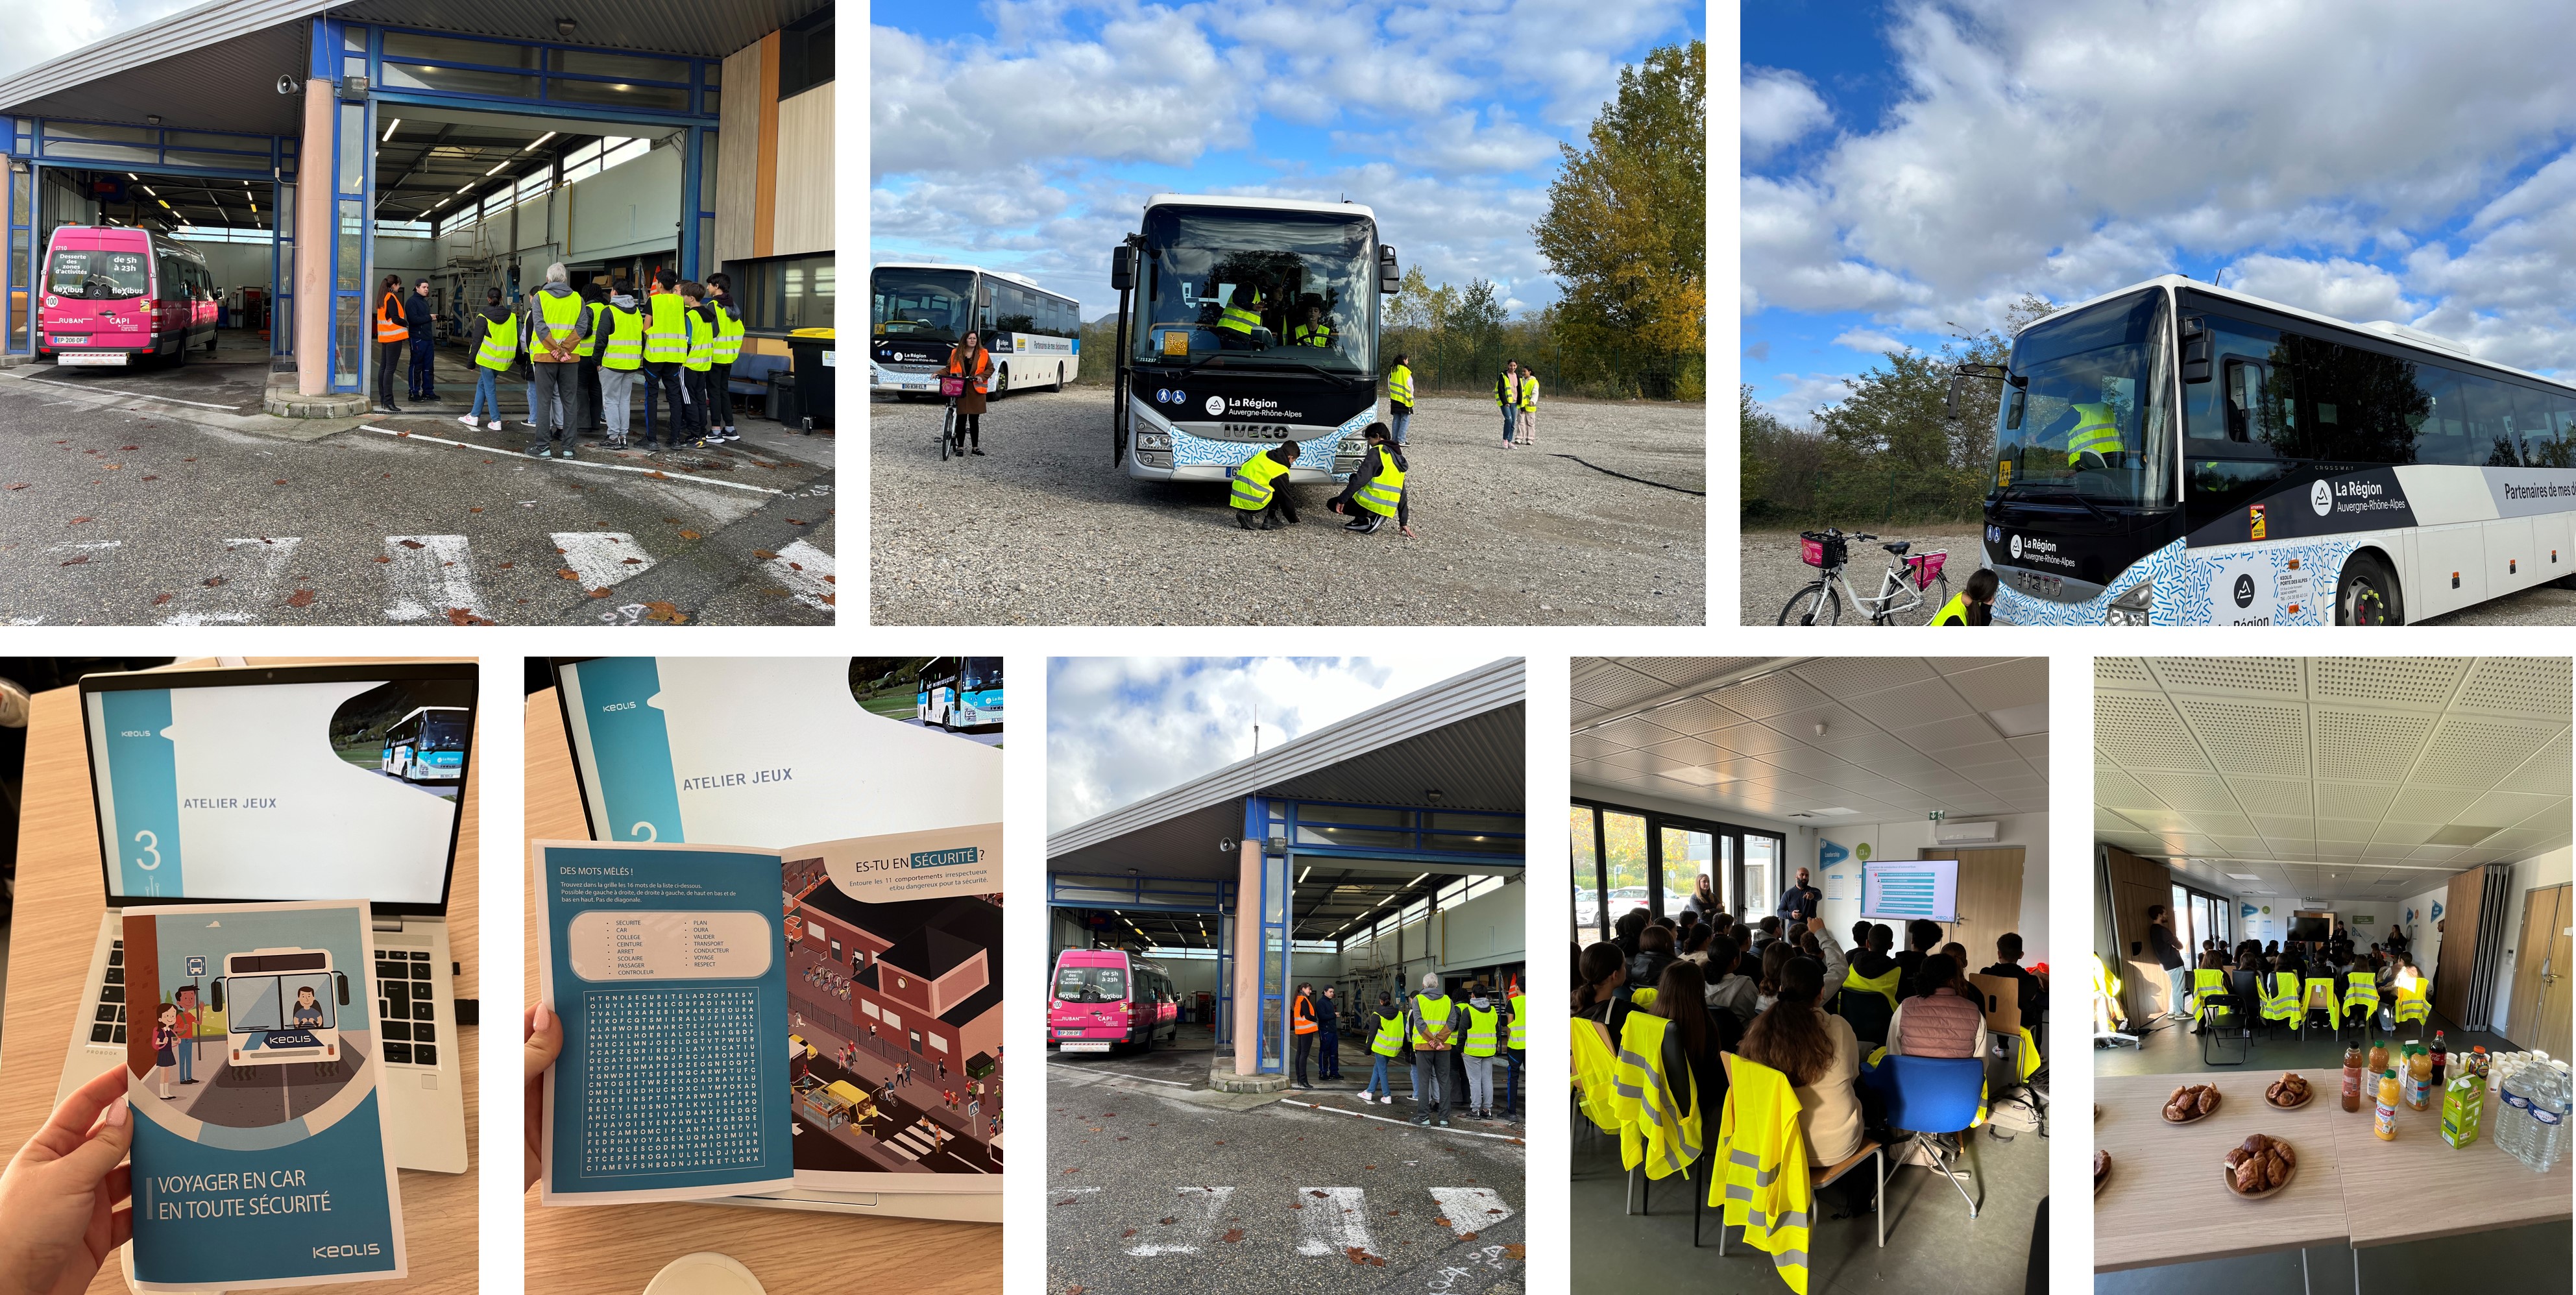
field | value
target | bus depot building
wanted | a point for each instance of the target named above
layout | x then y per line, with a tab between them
308	149
2344	856
1913	794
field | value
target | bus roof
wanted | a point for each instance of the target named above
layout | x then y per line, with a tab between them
423	710
1012	275
1258	204
2395	332
1092	958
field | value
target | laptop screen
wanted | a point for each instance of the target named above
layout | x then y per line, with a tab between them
311	782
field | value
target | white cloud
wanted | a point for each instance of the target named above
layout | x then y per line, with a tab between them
42	30
1780	107
1122	728
2338	287
1807	393
1869	342
1459	142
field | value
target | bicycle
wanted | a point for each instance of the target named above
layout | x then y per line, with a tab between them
952	434
1909	576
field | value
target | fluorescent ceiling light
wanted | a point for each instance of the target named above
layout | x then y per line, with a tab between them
2244	876
389	129
539	140
496	169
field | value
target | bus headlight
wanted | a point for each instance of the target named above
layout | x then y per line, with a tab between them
1161	441
2131	608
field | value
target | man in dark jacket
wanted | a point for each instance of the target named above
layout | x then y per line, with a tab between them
1798	903
1328	1038
420	315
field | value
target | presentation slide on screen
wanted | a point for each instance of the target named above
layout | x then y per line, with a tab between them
281	791
763	752
1916	888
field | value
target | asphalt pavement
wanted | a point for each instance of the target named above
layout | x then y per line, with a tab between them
1156	1187
128	506
1600	523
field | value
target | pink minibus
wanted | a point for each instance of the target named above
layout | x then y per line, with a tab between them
1104	1000
114	295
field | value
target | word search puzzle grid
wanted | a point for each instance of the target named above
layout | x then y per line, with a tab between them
673	1081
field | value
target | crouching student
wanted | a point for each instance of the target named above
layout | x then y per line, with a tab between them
1261	488
1376	490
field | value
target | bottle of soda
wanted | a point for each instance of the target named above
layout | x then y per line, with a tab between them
2352	1078
2439	1057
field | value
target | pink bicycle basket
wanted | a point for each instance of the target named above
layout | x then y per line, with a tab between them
952	385
1811	552
1927	568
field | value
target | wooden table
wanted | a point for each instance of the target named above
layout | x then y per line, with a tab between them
59	903
616	1249
2166	1203
2419	1186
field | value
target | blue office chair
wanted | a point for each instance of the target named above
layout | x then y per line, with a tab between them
1929	1095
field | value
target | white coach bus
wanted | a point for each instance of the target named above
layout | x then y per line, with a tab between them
2178	454
917	313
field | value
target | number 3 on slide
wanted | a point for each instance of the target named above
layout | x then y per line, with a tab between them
152	847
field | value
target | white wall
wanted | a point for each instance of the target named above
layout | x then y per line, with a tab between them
631	208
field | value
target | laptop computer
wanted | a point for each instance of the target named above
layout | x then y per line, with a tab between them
792	717
290	782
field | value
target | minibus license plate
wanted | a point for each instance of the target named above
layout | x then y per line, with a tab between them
1098	1045
114	359
63	340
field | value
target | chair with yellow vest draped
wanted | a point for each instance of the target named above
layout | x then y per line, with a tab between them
1874	1008
2317	995
1763	1182
2360	1003
2281	1000
2221	1016
1595	1067
2109	1017
1663	1137
2414	1001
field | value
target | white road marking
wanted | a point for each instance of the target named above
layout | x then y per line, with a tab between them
1470	1210
94	548
429	575
807	573
1389	1119
602	558
1207	1204
1121	1074
1334	1221
172	400
249	572
585	463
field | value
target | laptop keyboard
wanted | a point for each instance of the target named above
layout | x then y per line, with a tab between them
107	1021
404	1008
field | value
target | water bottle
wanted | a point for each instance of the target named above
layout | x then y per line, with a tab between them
2513	1116
2549	1118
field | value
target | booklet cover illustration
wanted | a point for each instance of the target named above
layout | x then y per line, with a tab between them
259	1148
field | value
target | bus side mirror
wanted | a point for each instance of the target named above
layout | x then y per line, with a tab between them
215	995
2195	350
1389	276
1950	405
343	978
1122	267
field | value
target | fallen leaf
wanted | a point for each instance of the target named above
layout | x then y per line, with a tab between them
598	593
473	510
672	520
689	535
1075	1170
414	544
212	581
567	574
1466	1236
793	522
657	475
161	599
1318	1195
21	485
1358	1256
81	561
765	555
1170	1221
77	521
384	559
187	460
129	447
797	565
1515	1251
634	562
300	598
505	566
1232	1235
281	481
154	478
831	580
464	616
1126	1234
114	466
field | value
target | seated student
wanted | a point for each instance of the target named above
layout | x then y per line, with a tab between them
1821	1058
1681	998
1601	986
1624	931
1860	935
1920	936
1654	953
1871	959
2008	963
1730	992
1765	931
1687	922
1767	984
1939	1022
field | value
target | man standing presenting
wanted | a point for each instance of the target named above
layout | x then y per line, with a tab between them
1798	903
420	316
1435	1026
2162	942
1328	1036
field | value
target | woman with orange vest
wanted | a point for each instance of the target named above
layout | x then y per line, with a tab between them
971	361
1306	1025
393	341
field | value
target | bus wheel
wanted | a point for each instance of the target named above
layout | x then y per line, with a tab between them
1059	377
1002	381
2368	595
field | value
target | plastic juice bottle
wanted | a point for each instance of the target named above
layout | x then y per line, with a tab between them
2464	1102
2419	1078
2384	1123
2378	1057
2352	1078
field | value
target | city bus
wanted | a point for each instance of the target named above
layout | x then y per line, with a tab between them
428	745
115	294
2179	454
917	313
1105	999
955	692
1200	390
282	1006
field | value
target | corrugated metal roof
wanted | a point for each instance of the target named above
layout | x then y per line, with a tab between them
215	67
1461	736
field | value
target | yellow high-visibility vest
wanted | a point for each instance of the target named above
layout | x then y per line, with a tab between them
2094	431
1665	1135
1385	489
557	317
1594	1068
500	343
2360	989
1399	385
1254	482
1883	985
666	329
702	343
2414	1002
2206	981
2280	995
729	331
625	349
1313	335
1519	1041
1481	1031
590	340
1389	1039
1435	1014
1955	611
1529	391
1235	319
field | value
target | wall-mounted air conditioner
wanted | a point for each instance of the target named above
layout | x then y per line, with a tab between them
1946	832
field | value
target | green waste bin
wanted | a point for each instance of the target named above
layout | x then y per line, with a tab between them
810	349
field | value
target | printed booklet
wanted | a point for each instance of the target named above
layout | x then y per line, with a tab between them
259	1139
741	1020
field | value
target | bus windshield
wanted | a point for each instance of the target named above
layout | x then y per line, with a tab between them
1090	985
2088	411
981	673
443	733
1258	289
97	275
276	1003
921	305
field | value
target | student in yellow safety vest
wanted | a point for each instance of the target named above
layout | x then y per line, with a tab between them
666	354
1484	1039
1435	1022
1376	491
700	360
1386	1041
554	325
1399	396
1516	1044
494	336
1261	488
1529	407
1973	604
1314	331
621	363
594	311
728	348
1240	318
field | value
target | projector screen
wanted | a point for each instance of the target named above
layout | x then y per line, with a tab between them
1901	891
2314	930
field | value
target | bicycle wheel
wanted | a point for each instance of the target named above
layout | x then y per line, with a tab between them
1939	593
1817	604
946	422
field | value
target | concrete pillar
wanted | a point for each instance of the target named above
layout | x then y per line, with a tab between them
316	172
1247	961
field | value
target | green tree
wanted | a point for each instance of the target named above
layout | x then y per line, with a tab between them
1626	229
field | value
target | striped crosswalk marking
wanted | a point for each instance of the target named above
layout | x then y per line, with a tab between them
1201	1207
245	577
913	1143
807	573
429	576
1470	1210
1332	1221
602	558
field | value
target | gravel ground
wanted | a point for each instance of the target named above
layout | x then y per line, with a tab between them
1772	572
1045	531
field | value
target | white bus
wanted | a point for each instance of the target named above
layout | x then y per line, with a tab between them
282	1006
2178	454
1201	385
918	312
428	745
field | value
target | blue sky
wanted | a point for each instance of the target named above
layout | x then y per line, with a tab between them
1122	728
41	30
1913	167
1026	134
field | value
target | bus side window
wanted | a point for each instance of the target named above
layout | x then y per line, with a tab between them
2013	409
2244	388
